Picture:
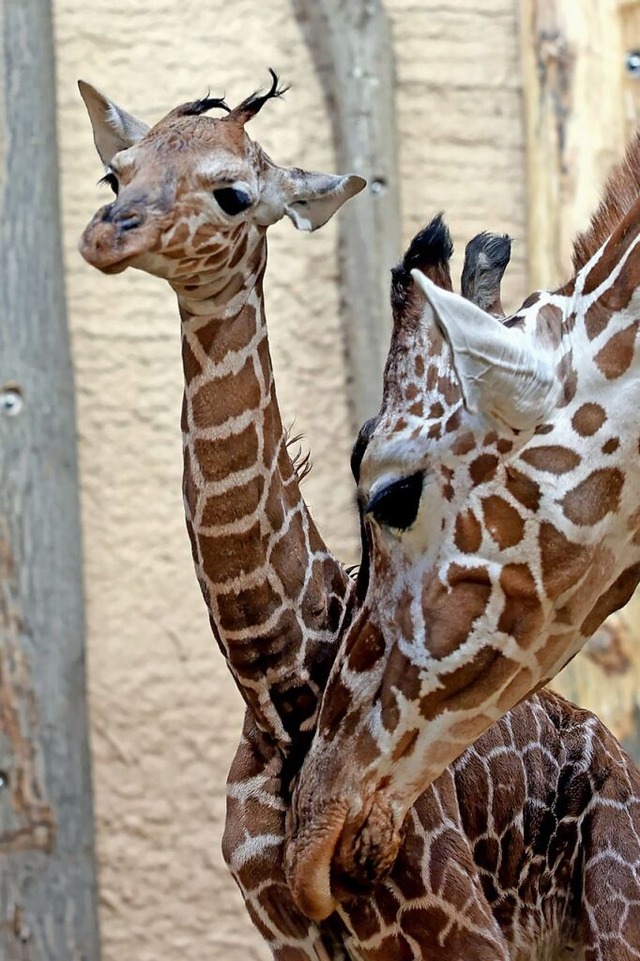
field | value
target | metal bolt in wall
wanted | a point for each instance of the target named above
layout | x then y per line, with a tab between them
11	400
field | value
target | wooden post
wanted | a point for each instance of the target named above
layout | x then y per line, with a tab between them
581	103
351	46
573	75
47	879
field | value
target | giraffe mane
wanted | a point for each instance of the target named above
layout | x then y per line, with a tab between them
621	193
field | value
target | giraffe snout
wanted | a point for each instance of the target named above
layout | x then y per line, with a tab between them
125	218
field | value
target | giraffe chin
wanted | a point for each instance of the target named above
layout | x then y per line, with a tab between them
337	857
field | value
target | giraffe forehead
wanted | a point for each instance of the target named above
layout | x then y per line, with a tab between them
197	146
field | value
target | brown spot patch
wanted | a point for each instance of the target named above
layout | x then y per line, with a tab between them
288	557
416	410
226	558
554	648
523	488
453	422
468	533
551	458
563	562
588	419
235	453
483	468
610	446
436	410
449	389
518	688
239	252
248	608
549	325
222	398
568	377
504	446
367	649
335	708
223	509
468	686
190	363
450	613
411	392
617	354
594	497
218	339
466	442
405	746
503	522
418	366
612	600
435	431
522	614
596	319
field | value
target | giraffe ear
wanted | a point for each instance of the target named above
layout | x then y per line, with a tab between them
501	373
113	128
311	199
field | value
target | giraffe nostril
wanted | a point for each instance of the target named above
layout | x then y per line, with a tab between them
127	219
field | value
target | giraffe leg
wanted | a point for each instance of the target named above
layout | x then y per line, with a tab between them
610	909
253	848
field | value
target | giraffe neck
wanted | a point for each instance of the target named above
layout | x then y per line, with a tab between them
275	595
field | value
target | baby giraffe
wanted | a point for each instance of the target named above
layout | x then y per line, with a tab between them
489	849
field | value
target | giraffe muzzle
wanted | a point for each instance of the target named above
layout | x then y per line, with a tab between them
116	236
335	854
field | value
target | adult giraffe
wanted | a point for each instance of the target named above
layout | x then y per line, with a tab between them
254	544
501	500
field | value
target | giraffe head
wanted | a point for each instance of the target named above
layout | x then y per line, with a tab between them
500	497
194	195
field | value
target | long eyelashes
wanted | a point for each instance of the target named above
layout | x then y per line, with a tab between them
111	180
397	504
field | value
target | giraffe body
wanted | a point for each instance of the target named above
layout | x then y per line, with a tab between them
277	598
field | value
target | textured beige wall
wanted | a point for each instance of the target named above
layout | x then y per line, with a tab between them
165	716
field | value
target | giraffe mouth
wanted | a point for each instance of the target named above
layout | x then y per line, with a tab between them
336	855
111	245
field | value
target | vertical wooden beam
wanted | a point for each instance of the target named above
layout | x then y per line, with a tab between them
573	77
350	41
581	103
47	879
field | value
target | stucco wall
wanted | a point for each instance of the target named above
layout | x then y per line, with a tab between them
165	716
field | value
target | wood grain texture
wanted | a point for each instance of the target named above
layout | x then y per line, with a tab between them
47	880
573	69
350	42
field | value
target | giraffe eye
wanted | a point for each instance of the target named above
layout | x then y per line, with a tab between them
232	200
111	180
397	504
